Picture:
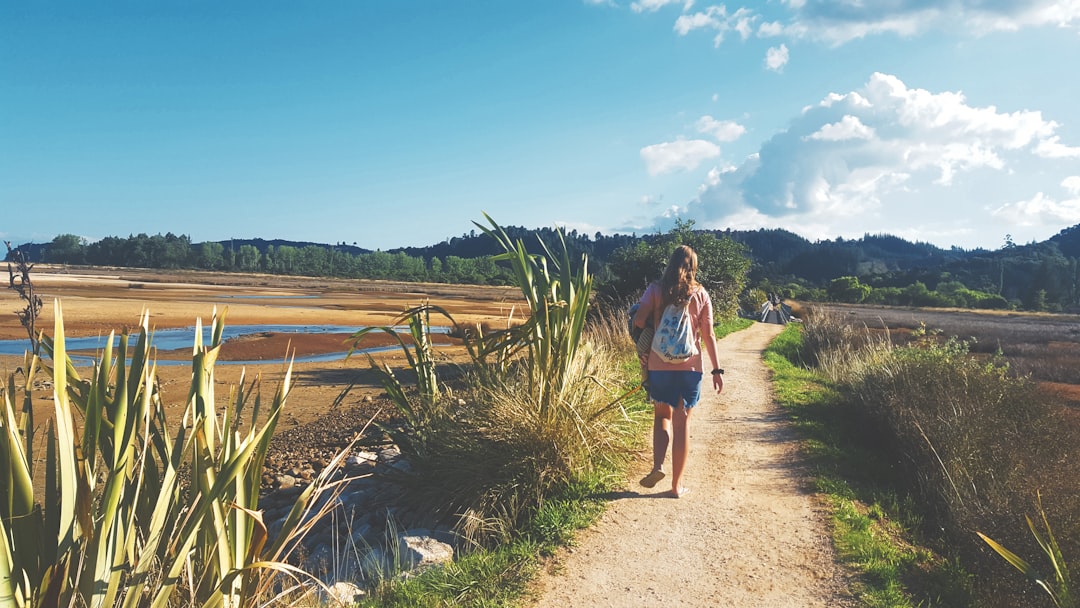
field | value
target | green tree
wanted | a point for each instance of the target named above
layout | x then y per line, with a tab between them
847	289
66	249
247	259
211	256
109	251
722	266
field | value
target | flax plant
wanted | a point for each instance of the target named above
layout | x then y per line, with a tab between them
1060	588
421	413
558	300
490	352
116	525
540	406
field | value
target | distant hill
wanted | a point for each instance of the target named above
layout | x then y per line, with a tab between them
1068	241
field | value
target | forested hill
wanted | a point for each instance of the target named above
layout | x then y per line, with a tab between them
1042	276
779	254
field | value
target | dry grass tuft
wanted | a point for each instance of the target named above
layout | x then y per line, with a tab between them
976	432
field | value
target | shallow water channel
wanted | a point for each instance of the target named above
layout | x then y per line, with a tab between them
184	337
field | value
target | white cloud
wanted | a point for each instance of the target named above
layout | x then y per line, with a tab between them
722	130
770	29
776	58
744	25
1072	185
673	212
866	157
714	17
678	155
1040	210
849	127
1051	147
837	23
651	6
842	22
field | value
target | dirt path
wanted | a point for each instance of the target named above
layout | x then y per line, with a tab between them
748	534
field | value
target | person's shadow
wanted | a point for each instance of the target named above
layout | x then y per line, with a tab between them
623	494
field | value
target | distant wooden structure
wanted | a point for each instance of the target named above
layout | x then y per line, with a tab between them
775	311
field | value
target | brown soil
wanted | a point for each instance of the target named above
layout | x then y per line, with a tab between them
97	301
750	532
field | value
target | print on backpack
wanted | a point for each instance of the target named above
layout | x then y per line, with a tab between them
674	340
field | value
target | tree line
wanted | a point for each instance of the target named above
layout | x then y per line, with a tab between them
876	269
172	252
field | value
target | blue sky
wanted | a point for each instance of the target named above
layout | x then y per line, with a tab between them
392	124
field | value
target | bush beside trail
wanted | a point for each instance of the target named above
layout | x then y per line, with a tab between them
971	441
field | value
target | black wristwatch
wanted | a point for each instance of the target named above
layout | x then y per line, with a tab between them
718	371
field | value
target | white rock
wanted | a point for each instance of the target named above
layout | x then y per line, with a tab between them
345	594
420	550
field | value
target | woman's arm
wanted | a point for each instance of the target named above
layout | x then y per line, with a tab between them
708	336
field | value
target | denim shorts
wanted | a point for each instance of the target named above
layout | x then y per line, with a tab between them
671	387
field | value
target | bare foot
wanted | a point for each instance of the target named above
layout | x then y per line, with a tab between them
679	492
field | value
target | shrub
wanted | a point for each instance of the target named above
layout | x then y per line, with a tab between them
971	441
536	409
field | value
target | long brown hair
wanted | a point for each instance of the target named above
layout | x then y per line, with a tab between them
680	276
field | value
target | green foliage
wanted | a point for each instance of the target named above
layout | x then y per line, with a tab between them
722	267
66	249
847	289
958	424
731	326
558	299
751	301
116	525
422	413
1040	276
482	579
499	575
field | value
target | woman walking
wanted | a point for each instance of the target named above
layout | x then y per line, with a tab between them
675	374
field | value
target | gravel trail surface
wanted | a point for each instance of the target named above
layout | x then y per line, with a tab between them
750	533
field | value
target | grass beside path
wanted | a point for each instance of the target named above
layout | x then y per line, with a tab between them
873	523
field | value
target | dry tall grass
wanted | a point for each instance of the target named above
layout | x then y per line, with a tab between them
974	441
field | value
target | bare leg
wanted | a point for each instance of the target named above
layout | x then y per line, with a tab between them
661	439
680	447
661	434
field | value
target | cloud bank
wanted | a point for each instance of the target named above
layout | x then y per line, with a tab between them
837	23
854	158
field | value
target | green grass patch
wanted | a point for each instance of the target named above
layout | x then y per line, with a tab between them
483	578
731	326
